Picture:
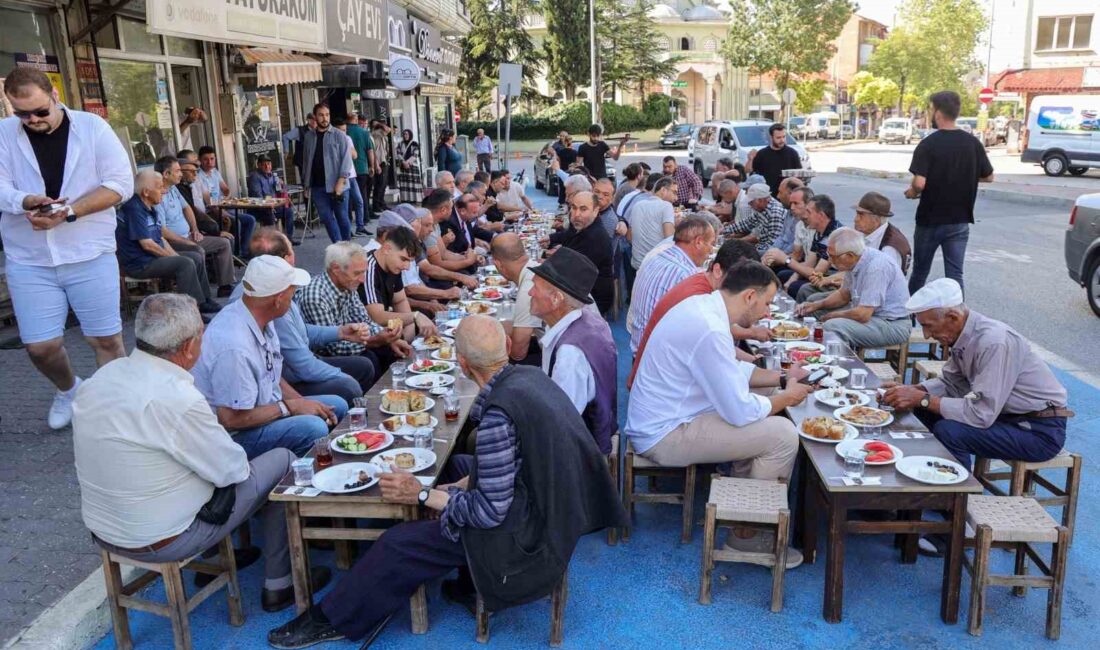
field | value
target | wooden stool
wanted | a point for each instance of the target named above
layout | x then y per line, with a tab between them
1016	523
884	371
902	351
134	290
1023	476
735	501
637	465
927	369
557	614
120	597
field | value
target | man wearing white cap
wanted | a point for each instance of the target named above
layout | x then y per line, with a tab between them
766	222
996	397
240	369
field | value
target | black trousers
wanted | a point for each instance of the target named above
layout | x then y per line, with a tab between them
378	202
366	183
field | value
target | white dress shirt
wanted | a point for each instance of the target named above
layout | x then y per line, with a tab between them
571	369
874	240
148	450
690	368
94	158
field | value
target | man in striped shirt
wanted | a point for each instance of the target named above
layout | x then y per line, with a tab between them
383	291
765	224
693	241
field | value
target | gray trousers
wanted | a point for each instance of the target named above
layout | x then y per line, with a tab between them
266	471
875	333
221	250
188	269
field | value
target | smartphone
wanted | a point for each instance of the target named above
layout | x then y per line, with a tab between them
816	376
47	208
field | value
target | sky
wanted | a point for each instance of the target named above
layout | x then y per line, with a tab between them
880	10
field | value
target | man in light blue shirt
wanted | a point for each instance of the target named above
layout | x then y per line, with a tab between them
483	146
239	371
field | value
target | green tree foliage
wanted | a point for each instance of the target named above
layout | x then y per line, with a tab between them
497	36
566	47
627	46
873	93
786	38
808	94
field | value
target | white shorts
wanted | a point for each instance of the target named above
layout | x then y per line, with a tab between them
42	296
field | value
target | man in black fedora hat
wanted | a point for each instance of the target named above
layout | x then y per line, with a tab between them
872	214
578	352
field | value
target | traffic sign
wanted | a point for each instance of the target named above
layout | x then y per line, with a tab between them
458	115
789	96
986	95
679	84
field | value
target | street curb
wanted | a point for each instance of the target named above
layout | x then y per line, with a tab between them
994	193
79	620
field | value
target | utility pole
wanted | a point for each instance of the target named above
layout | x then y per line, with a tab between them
594	73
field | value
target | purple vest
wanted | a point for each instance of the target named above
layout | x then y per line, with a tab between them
591	334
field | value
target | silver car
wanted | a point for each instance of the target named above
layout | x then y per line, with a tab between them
1083	247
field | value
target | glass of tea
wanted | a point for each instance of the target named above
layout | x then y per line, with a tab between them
322	453
450	407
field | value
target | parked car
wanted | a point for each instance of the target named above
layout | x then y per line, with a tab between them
546	179
676	136
714	140
896	129
970	125
797	126
822	125
1082	247
1063	133
847	132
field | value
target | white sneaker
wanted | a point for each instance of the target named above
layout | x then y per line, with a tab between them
759	549
61	411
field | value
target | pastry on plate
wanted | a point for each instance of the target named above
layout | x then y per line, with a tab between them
416	400
404	460
418	420
397	401
824	427
392	424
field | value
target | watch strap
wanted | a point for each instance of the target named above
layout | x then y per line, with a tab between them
422	496
284	410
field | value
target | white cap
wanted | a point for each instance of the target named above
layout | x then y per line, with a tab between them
268	275
938	294
759	191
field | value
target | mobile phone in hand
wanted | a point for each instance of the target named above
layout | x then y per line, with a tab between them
816	376
53	206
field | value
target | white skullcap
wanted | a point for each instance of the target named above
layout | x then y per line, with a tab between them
938	294
267	275
759	191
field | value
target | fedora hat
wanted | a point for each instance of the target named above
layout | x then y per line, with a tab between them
875	204
571	272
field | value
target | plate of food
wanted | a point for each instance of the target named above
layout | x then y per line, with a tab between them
444	353
409	459
346	477
835	372
488	293
496	281
358	443
405	424
804	346
433	342
428	382
399	402
878	452
837	397
822	428
788	330
863	416
933	470
431	366
478	307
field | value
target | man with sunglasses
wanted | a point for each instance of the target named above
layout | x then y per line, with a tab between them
61	174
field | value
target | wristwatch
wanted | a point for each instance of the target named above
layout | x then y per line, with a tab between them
72	214
284	410
787	261
782	381
422	497
925	402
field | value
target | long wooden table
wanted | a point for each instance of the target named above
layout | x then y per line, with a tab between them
366	504
824	492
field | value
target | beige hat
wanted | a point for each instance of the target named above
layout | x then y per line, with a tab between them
937	294
268	275
759	191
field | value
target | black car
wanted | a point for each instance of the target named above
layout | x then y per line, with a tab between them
676	137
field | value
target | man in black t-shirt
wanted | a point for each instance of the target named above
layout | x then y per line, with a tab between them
593	154
383	292
947	167
770	161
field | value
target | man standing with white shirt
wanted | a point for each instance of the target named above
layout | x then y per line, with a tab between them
61	174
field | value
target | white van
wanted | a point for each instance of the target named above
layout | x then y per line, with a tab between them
1063	133
714	140
822	125
896	129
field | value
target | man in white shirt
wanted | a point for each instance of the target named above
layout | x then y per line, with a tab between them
512	262
61	174
510	196
692	402
147	464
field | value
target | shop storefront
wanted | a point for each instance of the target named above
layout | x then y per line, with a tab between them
31	35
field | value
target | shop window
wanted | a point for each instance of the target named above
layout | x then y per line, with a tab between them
139	111
24	33
184	47
135	37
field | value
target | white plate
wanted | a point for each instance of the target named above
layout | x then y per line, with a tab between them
333	479
405	430
836	372
845	445
338	449
492	310
435	355
428	404
854	398
770	323
431	380
425	458
849	433
806	344
844	409
916	468
480	292
419	342
450	366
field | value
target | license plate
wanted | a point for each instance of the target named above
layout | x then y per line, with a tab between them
670	142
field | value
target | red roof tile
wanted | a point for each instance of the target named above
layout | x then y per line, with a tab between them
1039	80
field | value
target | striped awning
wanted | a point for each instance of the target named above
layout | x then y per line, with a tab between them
274	68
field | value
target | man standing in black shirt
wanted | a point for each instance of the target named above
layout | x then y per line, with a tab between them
593	154
947	167
770	162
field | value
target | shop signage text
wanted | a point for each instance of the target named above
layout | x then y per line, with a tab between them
292	24
416	38
404	72
47	63
357	28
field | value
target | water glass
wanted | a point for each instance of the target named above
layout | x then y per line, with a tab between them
873	432
422	438
859	379
357	418
506	310
399	370
854	463
835	348
303	471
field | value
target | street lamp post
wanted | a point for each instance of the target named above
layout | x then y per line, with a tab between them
594	74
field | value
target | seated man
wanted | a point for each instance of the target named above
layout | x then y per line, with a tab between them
150	454
194	194
996	397
504	500
732	204
439	204
143	253
383	292
868	311
588	237
691	402
346	376
578	352
263	183
813	272
765	224
240	371
463	222
872	213
525	328
420	221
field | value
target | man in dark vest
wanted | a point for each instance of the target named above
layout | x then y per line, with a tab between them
511	517
872	213
578	352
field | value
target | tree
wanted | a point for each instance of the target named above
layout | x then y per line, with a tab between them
497	36
873	93
567	56
786	38
809	93
628	49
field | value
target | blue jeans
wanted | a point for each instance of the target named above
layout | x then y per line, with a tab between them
356	207
334	214
246	223
926	239
1028	439
270	217
296	433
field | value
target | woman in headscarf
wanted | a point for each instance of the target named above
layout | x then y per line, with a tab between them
410	182
447	157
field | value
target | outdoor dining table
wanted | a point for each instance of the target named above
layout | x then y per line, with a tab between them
342	509
824	492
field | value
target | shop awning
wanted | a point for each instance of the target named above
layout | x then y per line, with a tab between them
275	68
1040	80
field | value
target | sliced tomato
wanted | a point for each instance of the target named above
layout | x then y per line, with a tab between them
877	458
875	445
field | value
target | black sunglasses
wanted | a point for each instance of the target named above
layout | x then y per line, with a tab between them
40	113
